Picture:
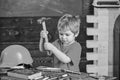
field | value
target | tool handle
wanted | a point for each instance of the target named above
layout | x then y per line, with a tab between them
46	38
44	28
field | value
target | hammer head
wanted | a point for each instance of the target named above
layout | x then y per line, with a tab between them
42	19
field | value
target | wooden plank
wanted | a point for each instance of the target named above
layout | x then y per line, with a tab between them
92	56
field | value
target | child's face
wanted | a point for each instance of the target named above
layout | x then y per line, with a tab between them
67	37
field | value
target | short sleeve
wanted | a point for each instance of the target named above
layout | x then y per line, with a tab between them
74	53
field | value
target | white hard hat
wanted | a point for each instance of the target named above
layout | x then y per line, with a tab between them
15	54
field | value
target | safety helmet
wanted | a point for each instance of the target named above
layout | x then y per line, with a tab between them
15	54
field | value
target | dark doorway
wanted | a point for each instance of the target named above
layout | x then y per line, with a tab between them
116	56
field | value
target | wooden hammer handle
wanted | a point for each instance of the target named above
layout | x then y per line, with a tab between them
46	38
44	28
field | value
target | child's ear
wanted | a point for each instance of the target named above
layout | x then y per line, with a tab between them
76	34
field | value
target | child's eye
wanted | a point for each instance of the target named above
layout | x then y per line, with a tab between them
67	35
61	34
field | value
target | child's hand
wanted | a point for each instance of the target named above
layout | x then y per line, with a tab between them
49	46
43	34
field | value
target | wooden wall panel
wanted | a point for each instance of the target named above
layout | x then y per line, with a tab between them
26	31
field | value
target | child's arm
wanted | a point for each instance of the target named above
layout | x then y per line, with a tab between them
43	34
43	39
41	44
59	54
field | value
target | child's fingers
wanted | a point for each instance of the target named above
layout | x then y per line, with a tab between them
48	46
43	33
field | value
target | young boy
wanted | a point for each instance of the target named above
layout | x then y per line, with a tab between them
66	50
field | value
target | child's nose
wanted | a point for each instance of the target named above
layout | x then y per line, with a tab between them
64	36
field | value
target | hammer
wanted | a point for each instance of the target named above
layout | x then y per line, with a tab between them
42	21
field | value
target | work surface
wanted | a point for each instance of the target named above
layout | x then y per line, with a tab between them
44	74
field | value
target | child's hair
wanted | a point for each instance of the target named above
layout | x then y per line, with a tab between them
69	22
